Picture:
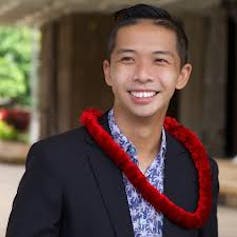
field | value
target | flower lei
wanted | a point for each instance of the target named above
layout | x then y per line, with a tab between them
161	203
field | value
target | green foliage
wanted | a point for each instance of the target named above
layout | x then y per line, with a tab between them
12	79
7	132
15	63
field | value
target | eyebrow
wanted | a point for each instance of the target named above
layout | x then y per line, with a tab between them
164	53
119	51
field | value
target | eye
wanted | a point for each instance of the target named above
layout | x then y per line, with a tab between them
127	59
161	61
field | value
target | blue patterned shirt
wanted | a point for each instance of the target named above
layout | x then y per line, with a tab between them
147	222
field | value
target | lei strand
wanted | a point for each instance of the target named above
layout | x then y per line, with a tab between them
160	202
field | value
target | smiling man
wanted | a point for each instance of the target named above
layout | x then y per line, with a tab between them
131	171
144	70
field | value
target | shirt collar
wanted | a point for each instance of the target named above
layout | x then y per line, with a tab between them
127	145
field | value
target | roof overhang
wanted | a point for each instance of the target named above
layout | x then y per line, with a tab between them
36	12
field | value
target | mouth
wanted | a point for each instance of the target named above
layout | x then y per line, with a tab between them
143	94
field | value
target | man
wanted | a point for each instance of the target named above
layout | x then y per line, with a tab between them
129	172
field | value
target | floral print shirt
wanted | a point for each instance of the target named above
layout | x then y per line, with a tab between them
147	222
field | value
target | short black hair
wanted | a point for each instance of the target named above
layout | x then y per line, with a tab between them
131	15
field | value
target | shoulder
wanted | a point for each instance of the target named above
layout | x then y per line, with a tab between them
63	141
178	148
213	164
60	150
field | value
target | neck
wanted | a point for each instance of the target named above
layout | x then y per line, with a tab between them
144	133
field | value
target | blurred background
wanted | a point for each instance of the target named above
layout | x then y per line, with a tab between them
51	54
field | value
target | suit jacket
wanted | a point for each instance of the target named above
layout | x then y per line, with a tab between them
71	189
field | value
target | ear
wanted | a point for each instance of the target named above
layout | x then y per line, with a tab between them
106	69
184	76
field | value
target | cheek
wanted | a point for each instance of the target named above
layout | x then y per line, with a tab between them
121	77
167	79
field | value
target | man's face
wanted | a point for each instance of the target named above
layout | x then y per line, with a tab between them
144	69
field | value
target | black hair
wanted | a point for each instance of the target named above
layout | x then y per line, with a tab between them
131	15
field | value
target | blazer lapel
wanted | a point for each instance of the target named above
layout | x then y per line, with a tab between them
110	182
179	184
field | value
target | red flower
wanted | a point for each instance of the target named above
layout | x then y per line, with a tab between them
19	119
4	113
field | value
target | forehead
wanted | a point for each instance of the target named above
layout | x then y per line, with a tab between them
146	34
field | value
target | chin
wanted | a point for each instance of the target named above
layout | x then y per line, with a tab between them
150	111
143	113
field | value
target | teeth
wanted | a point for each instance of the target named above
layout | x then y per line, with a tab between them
143	94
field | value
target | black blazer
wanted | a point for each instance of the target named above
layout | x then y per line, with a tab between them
71	189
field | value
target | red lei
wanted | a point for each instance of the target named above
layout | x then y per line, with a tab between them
160	202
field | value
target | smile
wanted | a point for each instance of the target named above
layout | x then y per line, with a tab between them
143	94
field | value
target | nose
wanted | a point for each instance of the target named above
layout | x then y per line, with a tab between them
143	72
